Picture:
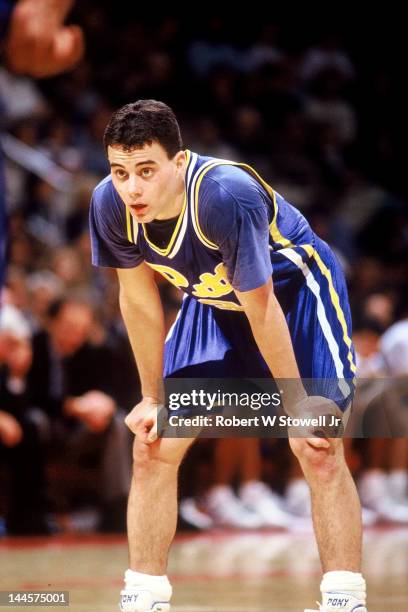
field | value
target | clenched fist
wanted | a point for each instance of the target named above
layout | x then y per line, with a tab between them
318	419
142	420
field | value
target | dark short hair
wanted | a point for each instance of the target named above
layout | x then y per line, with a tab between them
144	122
56	306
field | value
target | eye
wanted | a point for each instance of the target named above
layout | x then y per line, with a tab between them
120	174
146	172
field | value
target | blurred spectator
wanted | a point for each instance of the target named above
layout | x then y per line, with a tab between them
21	97
44	287
394	348
73	381
329	53
21	444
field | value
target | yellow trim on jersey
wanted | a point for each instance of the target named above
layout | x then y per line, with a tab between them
222	304
213	285
128	225
273	226
167	250
336	303
200	233
174	277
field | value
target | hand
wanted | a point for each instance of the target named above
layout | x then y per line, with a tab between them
95	409
38	42
11	433
326	412
142	420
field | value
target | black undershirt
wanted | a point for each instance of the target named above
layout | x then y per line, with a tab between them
160	232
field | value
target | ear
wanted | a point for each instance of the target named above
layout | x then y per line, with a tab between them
180	160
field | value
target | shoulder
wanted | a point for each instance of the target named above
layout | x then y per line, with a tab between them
228	195
106	205
104	194
231	203
228	185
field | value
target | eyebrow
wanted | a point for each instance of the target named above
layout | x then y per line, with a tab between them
142	163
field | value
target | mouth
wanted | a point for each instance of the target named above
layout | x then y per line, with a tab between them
139	209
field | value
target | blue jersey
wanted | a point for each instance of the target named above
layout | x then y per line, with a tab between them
234	232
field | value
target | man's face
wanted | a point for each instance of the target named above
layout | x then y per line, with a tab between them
71	328
149	183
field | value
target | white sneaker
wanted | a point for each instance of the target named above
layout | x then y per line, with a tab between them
374	494
226	509
138	600
151	596
192	514
259	498
340	602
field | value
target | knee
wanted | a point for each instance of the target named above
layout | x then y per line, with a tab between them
322	464
150	461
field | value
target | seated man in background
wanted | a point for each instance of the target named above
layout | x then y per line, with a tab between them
73	382
21	448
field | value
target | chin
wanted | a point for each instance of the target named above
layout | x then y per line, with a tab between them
146	218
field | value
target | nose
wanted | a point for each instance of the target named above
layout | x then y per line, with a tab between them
135	188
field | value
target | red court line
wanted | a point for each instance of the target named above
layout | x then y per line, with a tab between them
58	541
116	582
103	540
108	539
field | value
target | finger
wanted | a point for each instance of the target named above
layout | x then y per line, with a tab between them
132	424
152	434
318	442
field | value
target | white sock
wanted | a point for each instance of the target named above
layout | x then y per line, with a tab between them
156	584
350	583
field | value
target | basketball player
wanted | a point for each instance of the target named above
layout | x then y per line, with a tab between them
263	296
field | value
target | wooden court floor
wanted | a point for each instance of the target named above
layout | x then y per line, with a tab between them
213	572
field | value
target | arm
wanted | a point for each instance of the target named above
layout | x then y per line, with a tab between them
94	408
271	334
142	313
38	43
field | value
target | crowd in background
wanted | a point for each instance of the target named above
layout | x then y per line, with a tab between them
320	118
